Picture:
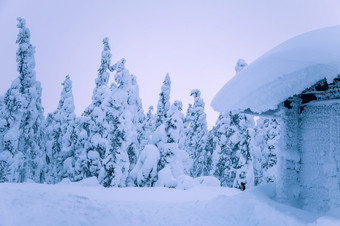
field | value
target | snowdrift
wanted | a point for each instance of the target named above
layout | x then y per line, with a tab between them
84	203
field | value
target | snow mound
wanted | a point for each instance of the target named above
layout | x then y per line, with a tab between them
284	71
87	182
166	178
186	182
208	181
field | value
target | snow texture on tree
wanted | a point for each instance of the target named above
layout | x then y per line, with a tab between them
175	125
149	125
163	102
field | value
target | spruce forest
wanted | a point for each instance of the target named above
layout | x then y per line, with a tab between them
121	144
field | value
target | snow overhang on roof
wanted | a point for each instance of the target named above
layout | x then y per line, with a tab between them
284	71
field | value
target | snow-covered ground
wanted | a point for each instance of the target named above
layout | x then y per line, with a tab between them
87	203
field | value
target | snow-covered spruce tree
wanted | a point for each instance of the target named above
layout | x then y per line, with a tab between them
171	134
123	137
23	139
231	158
97	114
244	168
4	165
222	152
160	135
163	102
78	164
138	118
12	160
58	131
197	135
264	151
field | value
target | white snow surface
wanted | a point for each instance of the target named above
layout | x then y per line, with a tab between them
88	203
284	71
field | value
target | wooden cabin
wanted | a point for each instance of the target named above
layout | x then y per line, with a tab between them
297	82
310	147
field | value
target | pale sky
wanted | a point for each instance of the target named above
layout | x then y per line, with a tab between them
197	42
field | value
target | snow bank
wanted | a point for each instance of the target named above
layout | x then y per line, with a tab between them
186	182
284	71
71	204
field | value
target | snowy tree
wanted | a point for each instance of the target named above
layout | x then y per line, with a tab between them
4	165
244	167
231	158
144	174
116	162
123	136
240	64
163	102
138	138
169	136
78	166
58	131
197	135
265	138
23	137
97	114
175	125
149	125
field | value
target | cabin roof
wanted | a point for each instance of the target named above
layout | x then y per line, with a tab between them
282	72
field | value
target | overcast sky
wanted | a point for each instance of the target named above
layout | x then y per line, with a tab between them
197	42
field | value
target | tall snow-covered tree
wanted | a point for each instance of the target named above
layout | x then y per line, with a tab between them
197	135
58	131
23	137
135	108
97	114
123	133
161	136
163	102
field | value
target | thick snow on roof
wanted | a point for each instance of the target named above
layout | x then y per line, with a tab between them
284	71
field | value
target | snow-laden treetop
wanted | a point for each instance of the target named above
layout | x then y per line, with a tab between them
284	71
